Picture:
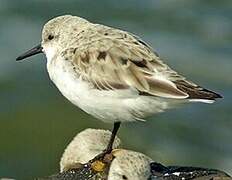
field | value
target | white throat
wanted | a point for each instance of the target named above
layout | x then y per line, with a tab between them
50	53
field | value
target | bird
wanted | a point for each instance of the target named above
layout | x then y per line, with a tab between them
112	74
125	164
83	147
121	164
130	165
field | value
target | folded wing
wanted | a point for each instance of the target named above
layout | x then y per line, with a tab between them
113	59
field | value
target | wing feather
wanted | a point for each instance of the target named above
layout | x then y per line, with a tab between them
118	60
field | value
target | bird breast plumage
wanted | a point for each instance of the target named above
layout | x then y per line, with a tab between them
107	105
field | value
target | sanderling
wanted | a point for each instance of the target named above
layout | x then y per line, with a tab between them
124	164
85	146
110	73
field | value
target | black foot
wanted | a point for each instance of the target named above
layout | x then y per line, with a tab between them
110	145
100	157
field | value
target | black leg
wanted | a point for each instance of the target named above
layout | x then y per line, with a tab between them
113	135
110	144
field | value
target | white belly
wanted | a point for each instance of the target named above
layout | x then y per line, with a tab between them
109	106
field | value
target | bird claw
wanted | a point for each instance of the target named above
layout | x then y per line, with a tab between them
101	156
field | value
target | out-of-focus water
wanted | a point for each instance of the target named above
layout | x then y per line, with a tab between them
36	122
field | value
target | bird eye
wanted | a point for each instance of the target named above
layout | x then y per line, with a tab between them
50	37
124	177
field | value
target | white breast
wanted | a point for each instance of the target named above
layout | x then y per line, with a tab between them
109	106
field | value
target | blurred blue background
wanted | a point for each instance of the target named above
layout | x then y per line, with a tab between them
193	37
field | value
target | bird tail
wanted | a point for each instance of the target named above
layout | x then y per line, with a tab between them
197	93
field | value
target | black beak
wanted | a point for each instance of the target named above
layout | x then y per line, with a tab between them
35	50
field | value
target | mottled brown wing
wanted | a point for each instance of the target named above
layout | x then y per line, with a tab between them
113	59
